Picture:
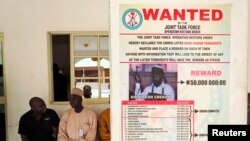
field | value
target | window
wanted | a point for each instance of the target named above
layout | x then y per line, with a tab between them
80	59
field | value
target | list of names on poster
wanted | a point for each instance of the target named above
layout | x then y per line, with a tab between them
157	120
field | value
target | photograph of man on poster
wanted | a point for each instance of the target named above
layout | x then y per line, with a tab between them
152	82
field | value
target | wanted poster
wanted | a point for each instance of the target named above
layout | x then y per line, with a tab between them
175	67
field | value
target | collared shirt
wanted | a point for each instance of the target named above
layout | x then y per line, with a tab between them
41	130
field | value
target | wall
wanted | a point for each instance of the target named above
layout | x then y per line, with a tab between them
248	119
248	47
25	25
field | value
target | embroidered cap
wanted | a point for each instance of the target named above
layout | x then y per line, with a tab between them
158	69
158	66
77	91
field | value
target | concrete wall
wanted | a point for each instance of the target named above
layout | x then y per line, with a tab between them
248	47
25	25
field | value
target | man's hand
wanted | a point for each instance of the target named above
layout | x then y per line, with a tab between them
137	77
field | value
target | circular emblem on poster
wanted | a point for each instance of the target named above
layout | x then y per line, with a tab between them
132	19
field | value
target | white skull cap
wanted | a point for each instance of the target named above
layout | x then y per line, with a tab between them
158	66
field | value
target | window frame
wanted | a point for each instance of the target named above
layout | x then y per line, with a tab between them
3	97
98	100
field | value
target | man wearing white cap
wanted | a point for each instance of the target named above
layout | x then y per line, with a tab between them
78	123
158	90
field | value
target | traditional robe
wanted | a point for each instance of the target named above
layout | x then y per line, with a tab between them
104	125
78	126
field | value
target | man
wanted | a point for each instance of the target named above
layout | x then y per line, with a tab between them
104	125
87	91
78	123
39	123
158	90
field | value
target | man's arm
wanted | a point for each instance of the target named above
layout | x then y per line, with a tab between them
55	120
22	129
170	92
62	133
104	126
137	78
55	133
91	135
137	88
24	138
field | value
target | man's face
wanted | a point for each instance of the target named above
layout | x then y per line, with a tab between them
157	76
75	101
38	107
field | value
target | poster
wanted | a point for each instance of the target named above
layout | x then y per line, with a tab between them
176	67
